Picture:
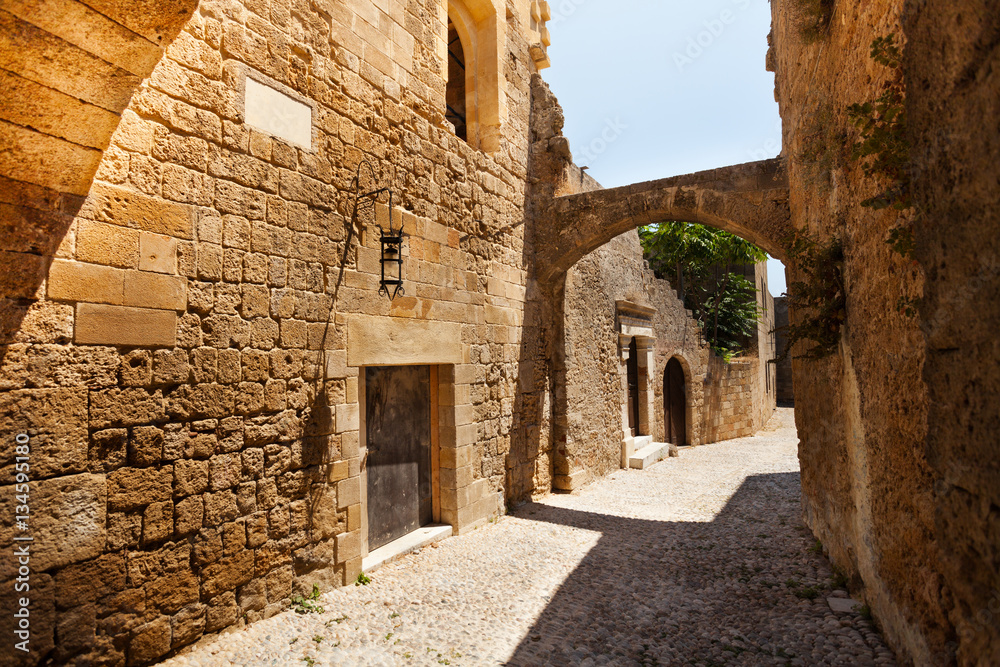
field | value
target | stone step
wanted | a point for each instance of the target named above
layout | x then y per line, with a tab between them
418	539
649	454
642	441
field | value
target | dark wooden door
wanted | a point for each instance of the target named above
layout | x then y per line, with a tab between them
675	403
398	436
633	387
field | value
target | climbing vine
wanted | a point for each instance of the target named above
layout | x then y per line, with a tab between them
820	299
883	150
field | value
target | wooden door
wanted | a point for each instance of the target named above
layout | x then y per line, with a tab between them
398	436
674	403
633	387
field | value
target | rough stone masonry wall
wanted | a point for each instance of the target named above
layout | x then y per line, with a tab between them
180	354
898	429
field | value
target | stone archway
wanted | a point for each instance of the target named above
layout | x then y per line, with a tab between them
749	200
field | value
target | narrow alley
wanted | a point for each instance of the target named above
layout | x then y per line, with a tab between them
699	560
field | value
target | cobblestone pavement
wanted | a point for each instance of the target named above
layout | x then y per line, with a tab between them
699	560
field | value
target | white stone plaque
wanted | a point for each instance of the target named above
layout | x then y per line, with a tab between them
278	114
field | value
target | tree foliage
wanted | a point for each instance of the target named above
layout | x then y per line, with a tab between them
699	262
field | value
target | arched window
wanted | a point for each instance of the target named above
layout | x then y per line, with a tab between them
475	88
455	97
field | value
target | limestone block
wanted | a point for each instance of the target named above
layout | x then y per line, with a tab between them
125	407
116	325
55	421
157	253
68	522
456	457
382	341
348	417
30	104
348	492
220	507
348	546
76	281
109	245
154	290
145	447
190	477
157	522
129	208
188	515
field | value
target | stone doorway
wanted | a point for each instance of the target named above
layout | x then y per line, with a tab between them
632	374
399	447
674	403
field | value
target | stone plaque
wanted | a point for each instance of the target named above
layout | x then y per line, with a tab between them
273	112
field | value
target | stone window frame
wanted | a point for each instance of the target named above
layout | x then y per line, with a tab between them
483	36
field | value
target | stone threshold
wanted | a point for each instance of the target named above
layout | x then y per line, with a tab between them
408	543
648	455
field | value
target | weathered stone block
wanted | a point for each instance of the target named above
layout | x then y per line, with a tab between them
71	528
125	407
107	245
222	612
190	477
189	515
128	208
348	546
108	449
132	488
220	507
115	325
188	625
149	641
228	574
225	471
55	422
146	446
157	522
124	530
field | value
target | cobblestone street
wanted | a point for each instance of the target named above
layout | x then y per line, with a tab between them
699	560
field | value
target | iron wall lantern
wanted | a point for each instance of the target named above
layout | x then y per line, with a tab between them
391	284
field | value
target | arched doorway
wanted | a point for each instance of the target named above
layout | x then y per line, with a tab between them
674	403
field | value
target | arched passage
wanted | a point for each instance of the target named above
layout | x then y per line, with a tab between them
749	200
675	403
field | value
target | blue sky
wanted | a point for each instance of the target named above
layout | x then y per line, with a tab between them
657	88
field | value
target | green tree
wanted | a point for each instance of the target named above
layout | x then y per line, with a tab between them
699	262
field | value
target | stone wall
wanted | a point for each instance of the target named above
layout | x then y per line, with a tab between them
181	335
898	428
